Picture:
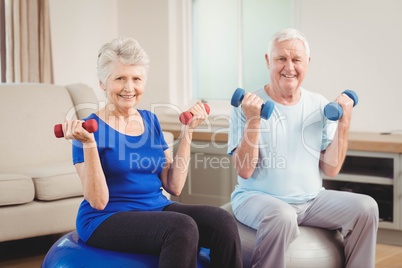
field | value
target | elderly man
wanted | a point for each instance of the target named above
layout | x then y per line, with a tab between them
279	162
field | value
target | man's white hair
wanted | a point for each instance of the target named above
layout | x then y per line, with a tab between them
288	34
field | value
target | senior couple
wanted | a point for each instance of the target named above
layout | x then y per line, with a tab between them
124	208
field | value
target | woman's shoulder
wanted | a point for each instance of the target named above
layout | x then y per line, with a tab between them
147	115
150	120
92	116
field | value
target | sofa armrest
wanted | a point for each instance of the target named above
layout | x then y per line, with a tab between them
84	98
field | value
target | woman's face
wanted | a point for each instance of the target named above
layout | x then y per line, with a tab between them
125	85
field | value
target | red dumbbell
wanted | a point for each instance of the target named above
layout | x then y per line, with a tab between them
187	117
90	125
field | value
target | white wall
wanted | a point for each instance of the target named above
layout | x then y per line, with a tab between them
79	28
355	44
147	21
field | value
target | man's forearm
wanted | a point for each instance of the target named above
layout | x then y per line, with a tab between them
246	154
333	157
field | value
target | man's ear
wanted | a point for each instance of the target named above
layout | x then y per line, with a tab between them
267	60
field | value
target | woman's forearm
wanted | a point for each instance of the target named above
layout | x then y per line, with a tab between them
178	169
94	184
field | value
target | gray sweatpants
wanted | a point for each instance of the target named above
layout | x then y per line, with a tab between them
276	222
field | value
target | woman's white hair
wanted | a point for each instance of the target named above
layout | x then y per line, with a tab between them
127	50
288	34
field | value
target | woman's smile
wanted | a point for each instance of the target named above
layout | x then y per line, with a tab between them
125	86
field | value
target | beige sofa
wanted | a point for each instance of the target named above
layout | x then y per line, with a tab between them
40	191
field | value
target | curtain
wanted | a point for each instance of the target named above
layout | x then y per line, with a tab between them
27	36
2	43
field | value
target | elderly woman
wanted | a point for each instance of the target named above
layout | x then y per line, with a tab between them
124	165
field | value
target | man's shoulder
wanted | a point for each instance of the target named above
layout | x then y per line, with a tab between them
260	92
314	96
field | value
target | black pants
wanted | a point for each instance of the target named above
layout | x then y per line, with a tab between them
175	234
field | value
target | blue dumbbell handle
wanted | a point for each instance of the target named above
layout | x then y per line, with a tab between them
266	108
333	111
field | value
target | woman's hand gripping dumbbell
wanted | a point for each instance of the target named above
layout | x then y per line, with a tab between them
266	108
333	111
90	125
187	117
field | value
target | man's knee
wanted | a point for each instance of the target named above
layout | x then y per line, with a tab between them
367	206
283	219
280	228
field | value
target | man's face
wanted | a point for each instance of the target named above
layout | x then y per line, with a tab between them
287	65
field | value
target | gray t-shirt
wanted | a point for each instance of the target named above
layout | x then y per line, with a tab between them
290	144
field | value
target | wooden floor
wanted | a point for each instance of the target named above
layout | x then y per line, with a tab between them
388	256
26	253
29	253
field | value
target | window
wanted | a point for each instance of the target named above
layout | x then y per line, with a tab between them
216	46
229	41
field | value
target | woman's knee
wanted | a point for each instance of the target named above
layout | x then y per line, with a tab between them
184	230
189	228
225	224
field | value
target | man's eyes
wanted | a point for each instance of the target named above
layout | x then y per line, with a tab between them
285	59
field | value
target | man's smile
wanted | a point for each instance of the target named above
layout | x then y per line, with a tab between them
289	75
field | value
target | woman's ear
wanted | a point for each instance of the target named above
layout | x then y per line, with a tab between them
102	86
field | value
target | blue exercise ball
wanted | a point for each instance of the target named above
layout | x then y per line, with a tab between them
71	252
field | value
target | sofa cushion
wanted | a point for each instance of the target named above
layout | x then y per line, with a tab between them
55	187
53	181
15	189
38	218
